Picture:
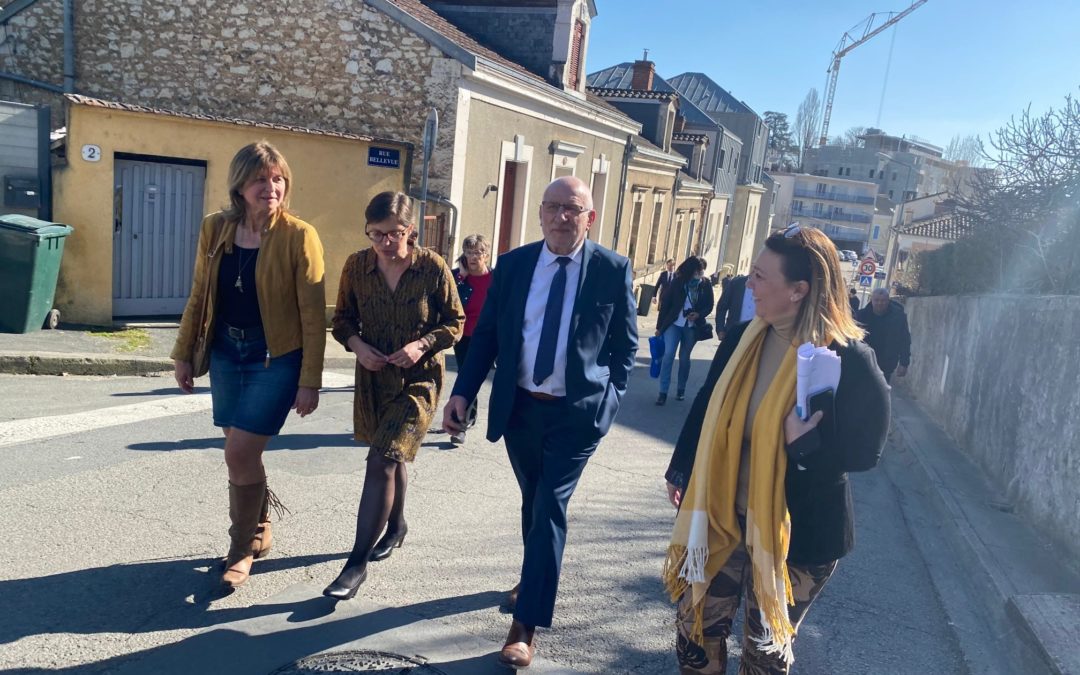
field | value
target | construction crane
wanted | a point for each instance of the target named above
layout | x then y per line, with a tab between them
859	33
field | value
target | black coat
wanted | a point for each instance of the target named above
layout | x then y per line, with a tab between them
818	496
729	308
887	335
673	299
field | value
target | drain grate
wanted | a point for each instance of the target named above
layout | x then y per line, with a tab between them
358	661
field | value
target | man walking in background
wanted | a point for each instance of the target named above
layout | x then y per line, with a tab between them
887	333
560	325
666	277
736	306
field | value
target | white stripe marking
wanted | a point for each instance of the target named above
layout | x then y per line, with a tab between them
40	428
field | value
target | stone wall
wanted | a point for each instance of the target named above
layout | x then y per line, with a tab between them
326	64
1001	375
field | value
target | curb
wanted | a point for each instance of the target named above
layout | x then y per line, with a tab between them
1008	612
45	363
60	363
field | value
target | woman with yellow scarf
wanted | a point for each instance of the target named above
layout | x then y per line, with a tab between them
765	508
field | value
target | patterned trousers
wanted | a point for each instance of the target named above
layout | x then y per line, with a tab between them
735	580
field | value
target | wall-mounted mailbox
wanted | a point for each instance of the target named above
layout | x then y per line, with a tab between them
23	192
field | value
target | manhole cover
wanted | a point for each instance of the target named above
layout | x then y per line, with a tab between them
358	661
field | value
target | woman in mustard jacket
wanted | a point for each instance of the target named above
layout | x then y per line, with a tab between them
256	312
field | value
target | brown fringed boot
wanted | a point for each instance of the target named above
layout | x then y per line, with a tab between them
245	507
264	536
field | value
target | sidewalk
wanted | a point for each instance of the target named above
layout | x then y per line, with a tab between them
137	349
1021	589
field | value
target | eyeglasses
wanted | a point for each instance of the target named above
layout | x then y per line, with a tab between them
554	208
471	252
395	236
792	230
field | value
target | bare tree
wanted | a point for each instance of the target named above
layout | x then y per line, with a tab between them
1024	209
967	149
807	123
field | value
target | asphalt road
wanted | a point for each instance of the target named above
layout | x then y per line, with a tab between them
114	498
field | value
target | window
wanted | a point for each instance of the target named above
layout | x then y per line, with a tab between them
881	174
821	188
894	175
678	226
818	208
723	156
573	68
654	235
890	194
877	231
871	173
797	206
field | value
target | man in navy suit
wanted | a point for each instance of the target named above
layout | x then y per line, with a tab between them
559	323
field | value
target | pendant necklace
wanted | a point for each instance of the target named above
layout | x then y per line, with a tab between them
241	265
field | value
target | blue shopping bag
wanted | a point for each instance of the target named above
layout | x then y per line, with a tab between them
656	350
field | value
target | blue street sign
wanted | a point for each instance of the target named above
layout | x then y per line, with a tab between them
866	280
389	158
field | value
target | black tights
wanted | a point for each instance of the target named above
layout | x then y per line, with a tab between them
382	504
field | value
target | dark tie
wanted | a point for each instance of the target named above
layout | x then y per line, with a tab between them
549	332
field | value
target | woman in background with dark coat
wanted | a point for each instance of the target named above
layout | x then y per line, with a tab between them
684	304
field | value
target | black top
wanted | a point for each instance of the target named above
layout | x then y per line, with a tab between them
238	302
674	299
818	496
887	335
729	309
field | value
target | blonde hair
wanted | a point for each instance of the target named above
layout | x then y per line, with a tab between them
249	163
825	314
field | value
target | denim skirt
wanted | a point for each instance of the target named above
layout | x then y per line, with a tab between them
249	393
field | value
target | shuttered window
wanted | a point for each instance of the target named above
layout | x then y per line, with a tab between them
573	68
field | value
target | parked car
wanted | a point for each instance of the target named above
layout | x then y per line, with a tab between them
849	255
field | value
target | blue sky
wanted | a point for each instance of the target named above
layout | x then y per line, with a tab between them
958	66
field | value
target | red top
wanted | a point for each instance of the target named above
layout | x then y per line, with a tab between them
480	285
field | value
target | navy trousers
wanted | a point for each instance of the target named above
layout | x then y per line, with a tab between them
548	453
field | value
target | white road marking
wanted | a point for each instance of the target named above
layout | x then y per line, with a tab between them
40	428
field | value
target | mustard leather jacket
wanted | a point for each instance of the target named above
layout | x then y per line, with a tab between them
289	279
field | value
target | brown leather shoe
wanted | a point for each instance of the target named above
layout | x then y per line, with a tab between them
510	602
519	649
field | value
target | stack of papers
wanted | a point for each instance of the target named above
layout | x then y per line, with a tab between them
818	369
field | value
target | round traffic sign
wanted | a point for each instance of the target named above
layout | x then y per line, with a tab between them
868	267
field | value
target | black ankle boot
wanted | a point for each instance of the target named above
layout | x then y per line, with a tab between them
388	543
348	582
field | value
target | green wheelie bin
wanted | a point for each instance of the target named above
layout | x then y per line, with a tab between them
30	253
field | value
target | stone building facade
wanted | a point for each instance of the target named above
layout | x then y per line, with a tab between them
325	64
371	67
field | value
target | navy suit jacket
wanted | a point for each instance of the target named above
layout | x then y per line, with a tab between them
599	352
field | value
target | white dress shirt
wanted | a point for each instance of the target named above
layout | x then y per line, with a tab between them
748	306
535	308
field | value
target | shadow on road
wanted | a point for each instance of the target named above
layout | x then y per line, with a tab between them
217	650
282	442
129	598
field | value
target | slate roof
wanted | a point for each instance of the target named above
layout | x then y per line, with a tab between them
433	20
436	22
619	77
699	89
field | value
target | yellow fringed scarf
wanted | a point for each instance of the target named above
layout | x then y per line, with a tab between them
707	530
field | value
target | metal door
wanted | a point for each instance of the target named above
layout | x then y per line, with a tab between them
157	208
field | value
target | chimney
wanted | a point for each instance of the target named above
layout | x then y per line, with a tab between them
643	74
